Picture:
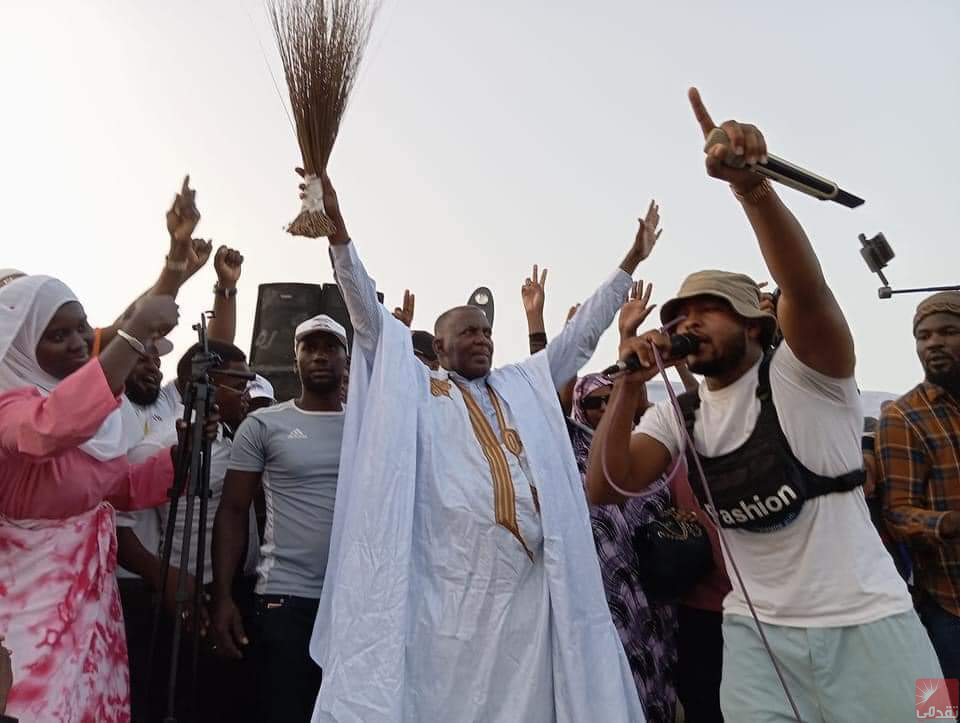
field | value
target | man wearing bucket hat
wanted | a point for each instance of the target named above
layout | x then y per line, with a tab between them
778	434
917	452
292	449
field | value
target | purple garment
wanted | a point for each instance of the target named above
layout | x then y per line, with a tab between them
647	629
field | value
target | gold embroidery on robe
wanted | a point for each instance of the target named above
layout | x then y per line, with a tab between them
511	439
504	494
440	387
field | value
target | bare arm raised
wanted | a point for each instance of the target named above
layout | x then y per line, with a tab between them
812	322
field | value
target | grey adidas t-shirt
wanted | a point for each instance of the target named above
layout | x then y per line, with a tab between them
299	455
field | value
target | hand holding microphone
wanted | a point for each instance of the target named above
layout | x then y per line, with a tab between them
637	359
737	153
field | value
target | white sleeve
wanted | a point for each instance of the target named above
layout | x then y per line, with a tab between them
789	375
141	452
573	347
128	519
359	296
152	444
821	417
660	423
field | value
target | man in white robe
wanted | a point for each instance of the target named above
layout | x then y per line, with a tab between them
462	582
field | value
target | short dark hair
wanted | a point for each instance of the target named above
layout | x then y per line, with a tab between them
439	327
227	352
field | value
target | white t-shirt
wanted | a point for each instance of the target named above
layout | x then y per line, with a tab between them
220	452
828	567
139	422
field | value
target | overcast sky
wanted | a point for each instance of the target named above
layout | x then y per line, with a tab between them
483	138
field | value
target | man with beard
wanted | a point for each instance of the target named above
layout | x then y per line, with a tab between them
778	433
149	408
146	407
918	451
293	450
225	685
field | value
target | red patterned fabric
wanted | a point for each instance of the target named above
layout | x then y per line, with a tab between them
60	609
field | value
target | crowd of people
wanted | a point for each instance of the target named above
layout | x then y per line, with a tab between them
419	536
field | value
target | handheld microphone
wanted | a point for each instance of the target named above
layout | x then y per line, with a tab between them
777	169
681	345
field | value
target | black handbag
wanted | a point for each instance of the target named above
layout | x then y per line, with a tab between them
673	554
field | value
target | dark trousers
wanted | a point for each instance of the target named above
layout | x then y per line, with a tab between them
288	678
699	664
136	599
944	630
225	690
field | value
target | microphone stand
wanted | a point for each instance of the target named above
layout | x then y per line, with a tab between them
877	253
192	481
885	292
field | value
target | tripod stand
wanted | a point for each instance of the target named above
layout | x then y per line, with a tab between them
192	481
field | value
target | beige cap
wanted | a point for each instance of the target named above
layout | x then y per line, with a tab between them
738	290
946	302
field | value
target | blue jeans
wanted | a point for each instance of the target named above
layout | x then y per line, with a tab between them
944	630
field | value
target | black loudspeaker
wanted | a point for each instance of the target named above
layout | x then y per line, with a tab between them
280	308
482	298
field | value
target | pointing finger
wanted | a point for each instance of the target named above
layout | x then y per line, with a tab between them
700	111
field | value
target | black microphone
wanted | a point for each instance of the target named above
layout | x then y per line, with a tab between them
681	345
777	169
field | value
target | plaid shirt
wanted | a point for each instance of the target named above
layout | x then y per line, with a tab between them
918	452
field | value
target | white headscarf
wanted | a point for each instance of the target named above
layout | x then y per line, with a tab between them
26	307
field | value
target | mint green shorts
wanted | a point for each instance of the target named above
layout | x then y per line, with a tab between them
862	673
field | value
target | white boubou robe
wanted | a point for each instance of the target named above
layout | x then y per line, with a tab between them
462	582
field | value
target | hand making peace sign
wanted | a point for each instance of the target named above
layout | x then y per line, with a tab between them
405	313
533	291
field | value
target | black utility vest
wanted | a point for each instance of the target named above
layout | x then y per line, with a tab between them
761	486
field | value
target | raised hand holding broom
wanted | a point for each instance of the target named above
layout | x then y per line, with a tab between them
321	43
331	204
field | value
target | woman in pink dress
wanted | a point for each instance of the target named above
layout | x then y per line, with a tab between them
63	471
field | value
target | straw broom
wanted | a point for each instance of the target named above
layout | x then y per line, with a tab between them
321	43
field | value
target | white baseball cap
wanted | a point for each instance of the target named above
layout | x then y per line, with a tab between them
8	275
323	323
260	388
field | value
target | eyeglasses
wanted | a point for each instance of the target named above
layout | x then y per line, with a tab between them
595	402
234	390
